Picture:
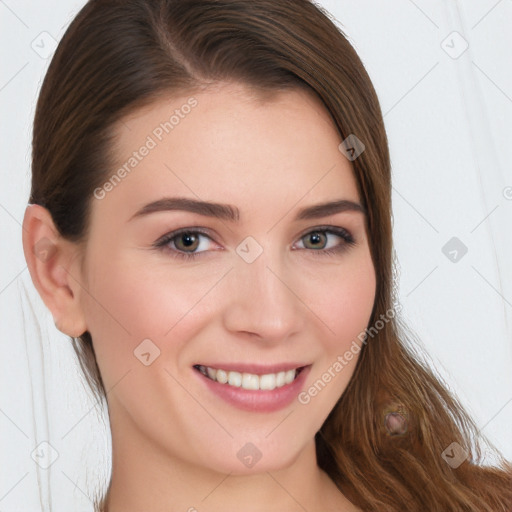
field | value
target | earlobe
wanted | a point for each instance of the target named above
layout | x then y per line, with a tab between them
53	265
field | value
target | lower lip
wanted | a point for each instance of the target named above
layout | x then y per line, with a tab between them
257	400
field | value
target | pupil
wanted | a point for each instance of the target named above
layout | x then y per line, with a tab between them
316	239
188	240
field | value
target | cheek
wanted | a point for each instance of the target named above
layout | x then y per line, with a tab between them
352	311
343	299
131	301
345	308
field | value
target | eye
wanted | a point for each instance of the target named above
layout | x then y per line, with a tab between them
184	243
189	243
327	240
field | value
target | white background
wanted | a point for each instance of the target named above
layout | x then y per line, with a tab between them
449	126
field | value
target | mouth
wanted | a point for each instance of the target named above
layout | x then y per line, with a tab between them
250	381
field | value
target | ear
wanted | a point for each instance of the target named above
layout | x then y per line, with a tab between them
54	266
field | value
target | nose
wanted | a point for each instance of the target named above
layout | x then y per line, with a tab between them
264	299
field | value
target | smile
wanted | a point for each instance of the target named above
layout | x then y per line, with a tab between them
250	381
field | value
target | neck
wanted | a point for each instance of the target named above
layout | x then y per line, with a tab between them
146	477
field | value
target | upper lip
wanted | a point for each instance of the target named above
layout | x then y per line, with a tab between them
257	369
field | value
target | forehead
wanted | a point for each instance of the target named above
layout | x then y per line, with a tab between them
232	145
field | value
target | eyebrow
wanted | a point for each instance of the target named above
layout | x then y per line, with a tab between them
231	213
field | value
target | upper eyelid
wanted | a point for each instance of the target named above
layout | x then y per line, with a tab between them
173	234
331	228
205	232
345	234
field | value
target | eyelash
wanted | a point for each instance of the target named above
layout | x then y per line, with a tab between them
162	243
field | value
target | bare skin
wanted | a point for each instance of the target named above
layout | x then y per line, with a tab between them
176	444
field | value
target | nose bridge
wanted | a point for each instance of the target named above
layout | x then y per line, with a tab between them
262	298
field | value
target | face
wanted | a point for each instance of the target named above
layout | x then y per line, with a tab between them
264	292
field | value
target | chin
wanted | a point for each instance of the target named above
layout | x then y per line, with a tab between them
257	454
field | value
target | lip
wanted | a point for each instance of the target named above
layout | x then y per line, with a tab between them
257	400
257	369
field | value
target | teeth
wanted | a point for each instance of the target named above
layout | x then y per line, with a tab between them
221	376
250	381
280	379
235	379
289	376
268	381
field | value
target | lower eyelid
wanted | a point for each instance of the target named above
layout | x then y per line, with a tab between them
196	233
166	239
345	237
163	243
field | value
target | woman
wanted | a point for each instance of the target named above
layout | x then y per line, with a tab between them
210	222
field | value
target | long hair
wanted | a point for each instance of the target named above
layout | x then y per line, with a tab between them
120	55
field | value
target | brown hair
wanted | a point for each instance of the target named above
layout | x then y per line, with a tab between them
119	55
